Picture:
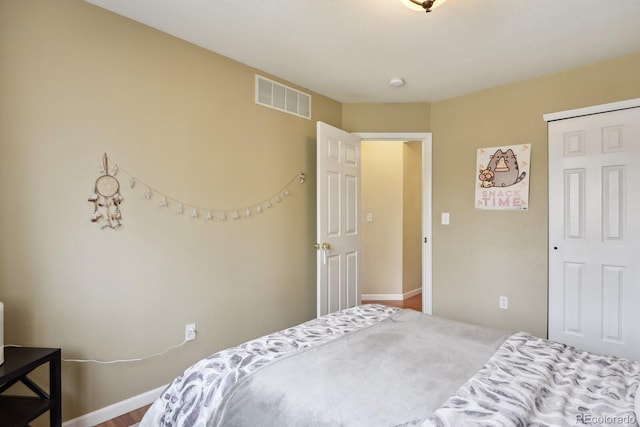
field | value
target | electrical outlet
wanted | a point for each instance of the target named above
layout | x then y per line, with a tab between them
190	332
504	303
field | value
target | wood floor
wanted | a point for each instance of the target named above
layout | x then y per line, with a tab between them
414	303
127	419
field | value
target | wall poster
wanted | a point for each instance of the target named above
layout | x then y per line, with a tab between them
502	180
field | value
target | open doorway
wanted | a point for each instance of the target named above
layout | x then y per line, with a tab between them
396	219
338	216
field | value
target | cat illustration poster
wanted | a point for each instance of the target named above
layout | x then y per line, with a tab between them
502	178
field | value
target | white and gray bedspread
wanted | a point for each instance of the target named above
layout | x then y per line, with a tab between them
194	397
369	365
531	381
374	365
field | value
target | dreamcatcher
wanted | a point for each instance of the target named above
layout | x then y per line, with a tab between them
106	199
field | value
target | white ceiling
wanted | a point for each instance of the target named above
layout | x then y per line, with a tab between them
349	49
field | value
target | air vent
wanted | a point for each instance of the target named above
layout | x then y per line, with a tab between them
284	98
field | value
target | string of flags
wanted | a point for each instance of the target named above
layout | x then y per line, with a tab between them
202	212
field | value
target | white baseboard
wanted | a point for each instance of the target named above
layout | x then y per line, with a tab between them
115	410
391	297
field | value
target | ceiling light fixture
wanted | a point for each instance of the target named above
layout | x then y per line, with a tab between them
396	82
420	6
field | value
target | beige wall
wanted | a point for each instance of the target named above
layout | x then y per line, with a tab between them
391	192
412	216
76	82
485	254
413	117
382	196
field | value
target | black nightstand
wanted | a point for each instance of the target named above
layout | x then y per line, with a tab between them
18	411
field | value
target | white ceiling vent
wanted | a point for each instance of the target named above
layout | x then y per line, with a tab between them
284	98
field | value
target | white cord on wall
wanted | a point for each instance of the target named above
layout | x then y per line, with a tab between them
137	359
107	362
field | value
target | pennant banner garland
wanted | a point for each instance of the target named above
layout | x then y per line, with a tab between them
202	212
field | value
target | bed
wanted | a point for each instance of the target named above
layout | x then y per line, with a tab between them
374	365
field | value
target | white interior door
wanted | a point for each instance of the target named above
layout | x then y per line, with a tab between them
594	232
338	219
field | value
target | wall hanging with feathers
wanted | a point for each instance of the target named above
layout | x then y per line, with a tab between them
106	199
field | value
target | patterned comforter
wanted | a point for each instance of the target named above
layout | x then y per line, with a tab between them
536	382
193	398
527	382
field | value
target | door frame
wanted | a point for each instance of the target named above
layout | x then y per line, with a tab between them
427	207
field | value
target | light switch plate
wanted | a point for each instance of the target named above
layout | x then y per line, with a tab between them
445	218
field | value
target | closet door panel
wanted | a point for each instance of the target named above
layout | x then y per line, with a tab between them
594	232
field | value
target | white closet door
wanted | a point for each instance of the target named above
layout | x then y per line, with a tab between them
594	232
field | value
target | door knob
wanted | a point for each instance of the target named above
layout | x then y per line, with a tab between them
324	247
